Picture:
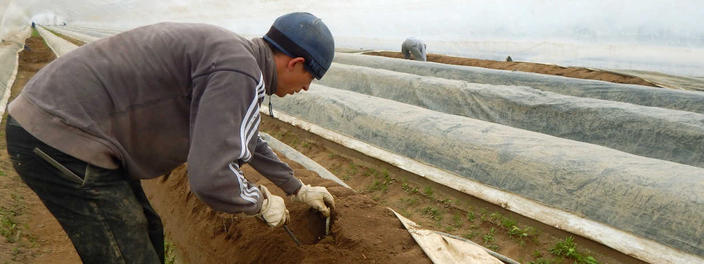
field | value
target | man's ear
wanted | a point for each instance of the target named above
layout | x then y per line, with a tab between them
292	63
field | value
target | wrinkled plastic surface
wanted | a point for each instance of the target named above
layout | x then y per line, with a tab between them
446	249
8	58
73	34
652	198
667	80
296	156
57	44
647	131
8	62
98	32
91	32
636	94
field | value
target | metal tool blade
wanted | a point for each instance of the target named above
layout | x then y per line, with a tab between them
327	226
291	235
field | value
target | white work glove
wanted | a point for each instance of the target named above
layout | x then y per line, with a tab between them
317	197
273	211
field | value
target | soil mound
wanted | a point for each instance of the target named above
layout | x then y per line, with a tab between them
35	55
362	230
573	72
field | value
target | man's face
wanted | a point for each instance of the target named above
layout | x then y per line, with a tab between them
293	78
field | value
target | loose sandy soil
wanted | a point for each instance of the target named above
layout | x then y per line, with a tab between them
363	230
574	72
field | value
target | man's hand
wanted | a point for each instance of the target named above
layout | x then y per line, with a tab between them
273	211
317	197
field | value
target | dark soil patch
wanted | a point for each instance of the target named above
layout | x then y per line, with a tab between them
573	72
33	57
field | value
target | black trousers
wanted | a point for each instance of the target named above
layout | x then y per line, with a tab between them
105	213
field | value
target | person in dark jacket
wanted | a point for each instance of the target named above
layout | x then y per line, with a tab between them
88	126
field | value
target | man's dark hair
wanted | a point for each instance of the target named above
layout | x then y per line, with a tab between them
273	48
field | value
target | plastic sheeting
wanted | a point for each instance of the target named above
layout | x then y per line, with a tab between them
9	56
73	34
626	242
444	249
647	131
667	80
655	199
635	94
57	44
92	32
294	155
8	62
98	32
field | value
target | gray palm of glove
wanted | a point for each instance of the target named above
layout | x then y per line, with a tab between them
317	197
273	211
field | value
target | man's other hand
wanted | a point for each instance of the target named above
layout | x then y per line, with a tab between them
273	211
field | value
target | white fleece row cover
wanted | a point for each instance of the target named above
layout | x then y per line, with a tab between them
9	49
692	101
57	44
667	80
8	62
73	34
90	32
647	131
655	199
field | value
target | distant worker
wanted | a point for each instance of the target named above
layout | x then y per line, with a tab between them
84	131
415	47
33	25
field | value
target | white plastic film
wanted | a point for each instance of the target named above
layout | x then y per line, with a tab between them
73	34
652	198
647	131
57	44
9	63
692	101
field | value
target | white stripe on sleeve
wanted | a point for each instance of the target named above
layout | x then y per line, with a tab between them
247	191
249	118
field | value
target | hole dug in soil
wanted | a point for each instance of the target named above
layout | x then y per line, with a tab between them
361	229
309	226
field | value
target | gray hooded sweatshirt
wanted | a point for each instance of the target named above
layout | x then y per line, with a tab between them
152	98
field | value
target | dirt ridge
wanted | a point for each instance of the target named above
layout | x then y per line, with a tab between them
551	69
